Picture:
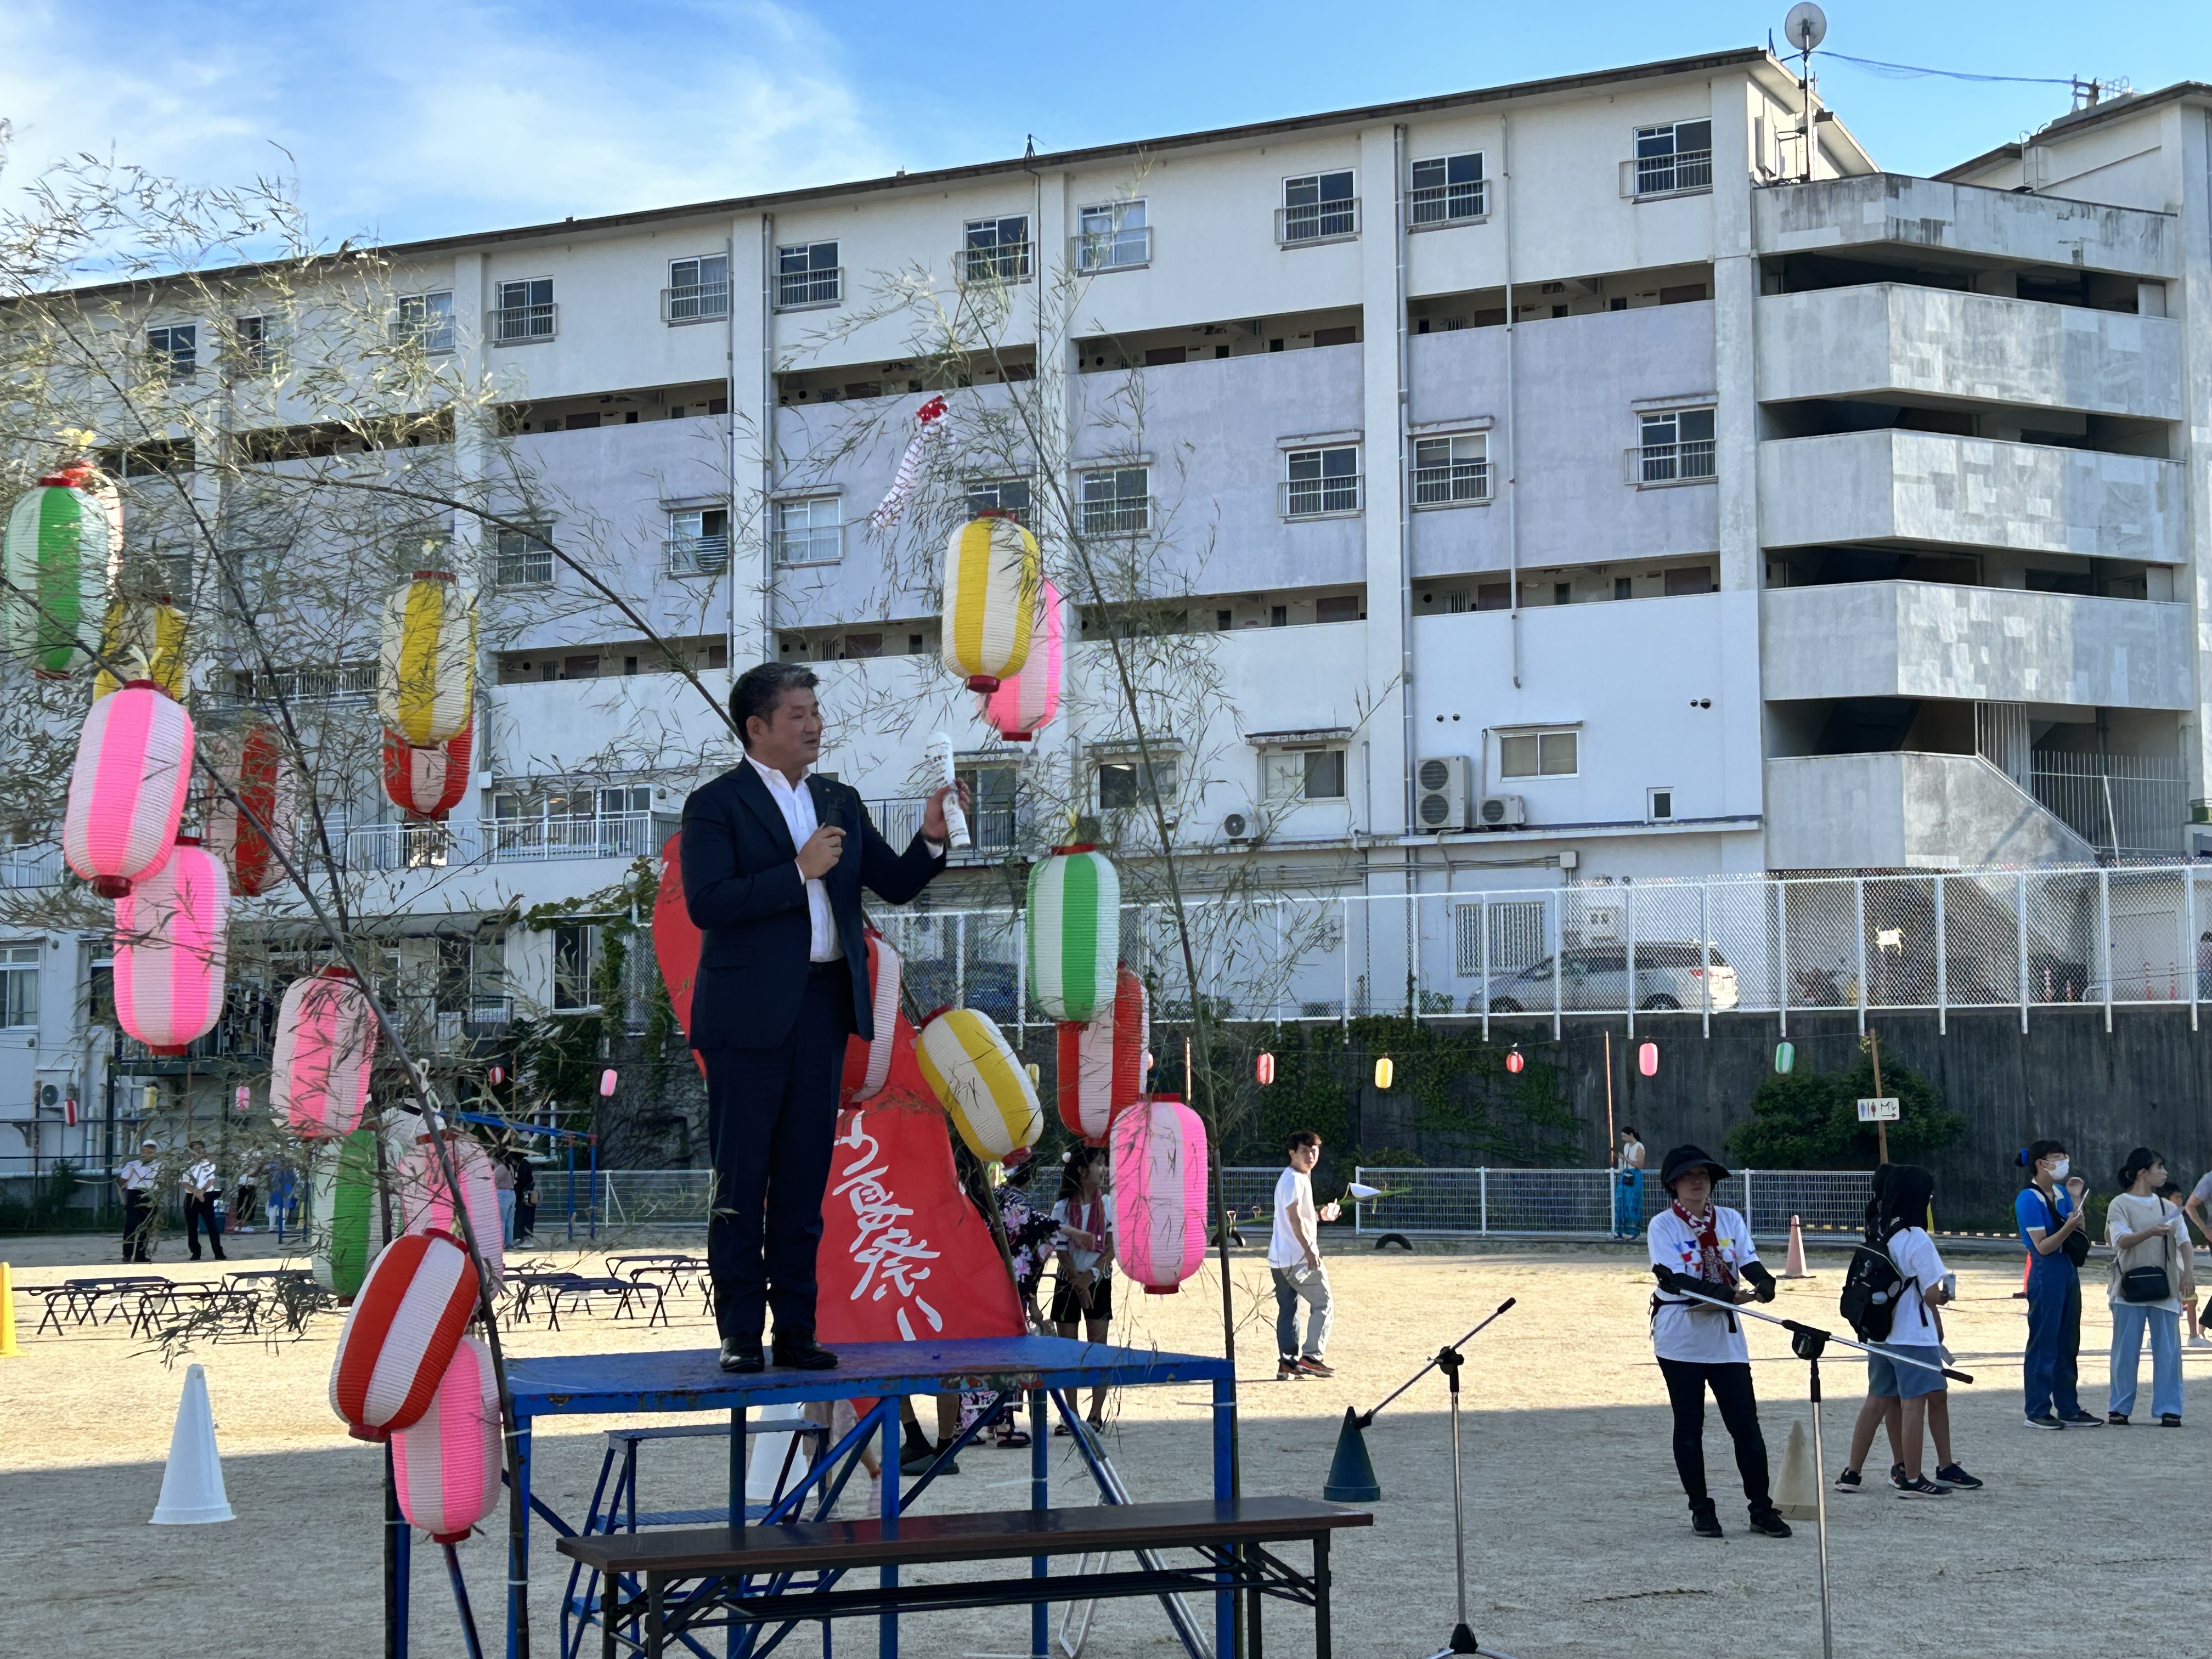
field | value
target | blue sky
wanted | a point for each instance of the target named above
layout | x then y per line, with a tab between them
485	114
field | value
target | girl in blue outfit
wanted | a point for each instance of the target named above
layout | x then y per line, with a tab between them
2051	1215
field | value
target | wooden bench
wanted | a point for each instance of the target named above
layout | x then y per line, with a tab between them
719	1561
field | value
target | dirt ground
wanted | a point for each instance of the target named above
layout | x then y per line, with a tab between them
1578	1543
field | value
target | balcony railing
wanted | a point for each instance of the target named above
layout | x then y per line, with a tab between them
534	569
28	868
1678	174
695	555
524	324
795	290
820	543
1123	515
433	337
990	827
1315	498
1671	463
1451	483
1448	204
390	847
1317	221
696	303
348	682
1008	262
1113	250
2132	807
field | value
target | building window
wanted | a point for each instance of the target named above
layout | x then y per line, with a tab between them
698	541
1447	191
1338	607
1122	783
1677	447
1306	775
997	250
1451	471
1692	579
1117	501
808	531
1538	755
1317	207
522	559
1113	236
19	986
252	348
575	957
1673	158
698	289
992	791
175	350
525	312
1008	495
808	274
1319	480
425	321
1659	805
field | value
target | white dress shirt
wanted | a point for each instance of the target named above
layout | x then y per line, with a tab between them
139	1174
796	802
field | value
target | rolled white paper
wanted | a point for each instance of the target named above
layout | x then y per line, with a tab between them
940	759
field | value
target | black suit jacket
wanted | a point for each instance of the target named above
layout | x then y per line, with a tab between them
742	886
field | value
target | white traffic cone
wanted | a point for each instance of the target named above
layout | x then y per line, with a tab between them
1794	1267
1796	1494
192	1485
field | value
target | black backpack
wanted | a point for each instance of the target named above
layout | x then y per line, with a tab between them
1872	1289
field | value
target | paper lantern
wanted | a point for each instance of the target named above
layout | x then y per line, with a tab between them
319	1068
426	673
1647	1059
447	1462
1102	1060
991	577
976	1078
401	1332
1515	1060
1074	925
496	1076
428	781
426	1198
143	639
1159	1193
1385	1069
1264	1070
1021	706
608	1078
60	552
868	1064
244	1100
171	945
127	790
249	760
1785	1056
342	1196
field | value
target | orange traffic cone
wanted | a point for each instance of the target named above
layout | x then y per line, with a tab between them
1794	1267
2026	1263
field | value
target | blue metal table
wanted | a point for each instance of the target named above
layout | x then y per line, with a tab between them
1041	1368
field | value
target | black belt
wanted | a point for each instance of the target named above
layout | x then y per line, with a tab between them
824	969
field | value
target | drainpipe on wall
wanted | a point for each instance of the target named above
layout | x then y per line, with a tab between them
1512	431
1404	507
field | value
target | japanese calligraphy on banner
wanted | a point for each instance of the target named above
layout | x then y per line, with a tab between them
904	1256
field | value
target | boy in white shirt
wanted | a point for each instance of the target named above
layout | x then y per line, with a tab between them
1294	1263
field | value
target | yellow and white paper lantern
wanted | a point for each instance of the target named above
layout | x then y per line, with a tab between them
975	1078
427	671
992	571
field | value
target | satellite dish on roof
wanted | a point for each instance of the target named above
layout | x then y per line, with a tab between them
1806	26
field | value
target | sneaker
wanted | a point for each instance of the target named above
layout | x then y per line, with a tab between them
1924	1487
2045	1420
1315	1367
1286	1371
1897	1476
1956	1478
2200	1342
2078	1418
2169	1419
1848	1481
1705	1523
2116	1419
1770	1522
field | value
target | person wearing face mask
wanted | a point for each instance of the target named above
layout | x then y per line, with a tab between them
2150	1241
2052	1217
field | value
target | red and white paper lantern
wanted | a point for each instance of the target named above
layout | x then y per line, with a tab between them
401	1332
325	1039
1159	1193
428	782
172	945
127	789
868	1064
426	1198
1102	1060
250	759
447	1462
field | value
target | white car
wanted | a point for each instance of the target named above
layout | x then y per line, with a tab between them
1670	973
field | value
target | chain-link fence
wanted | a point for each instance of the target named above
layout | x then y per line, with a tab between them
1591	1204
653	1198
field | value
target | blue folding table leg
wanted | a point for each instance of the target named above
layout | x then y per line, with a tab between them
1225	1488
517	1551
1040	1498
893	1432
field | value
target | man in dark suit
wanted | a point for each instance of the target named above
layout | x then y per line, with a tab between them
774	861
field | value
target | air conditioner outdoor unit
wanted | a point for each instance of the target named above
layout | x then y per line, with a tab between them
1237	827
2199	839
1441	792
1504	812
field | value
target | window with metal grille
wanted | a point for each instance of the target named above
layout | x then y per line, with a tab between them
425	321
1113	236
1117	501
252	347
697	288
19	986
1318	480
698	541
1677	446
997	250
1448	190
576	956
525	312
808	531
1449	470
175	350
1317	207
1677	156
1010	496
522	559
808	274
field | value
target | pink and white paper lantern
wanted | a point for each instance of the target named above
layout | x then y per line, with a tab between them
426	1198
127	789
325	1039
447	1462
1022	705
172	947
1159	1192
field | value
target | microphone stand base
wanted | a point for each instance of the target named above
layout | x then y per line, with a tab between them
1462	1642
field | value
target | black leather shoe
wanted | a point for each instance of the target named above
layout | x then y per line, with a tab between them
804	1354
741	1356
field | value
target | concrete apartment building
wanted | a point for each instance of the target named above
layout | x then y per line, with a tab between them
1598	487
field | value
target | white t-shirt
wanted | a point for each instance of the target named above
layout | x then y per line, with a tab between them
1293	1196
1695	1331
2129	1214
1913	1255
201	1177
1065	1213
139	1174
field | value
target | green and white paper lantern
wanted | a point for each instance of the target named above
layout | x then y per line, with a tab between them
1074	921
61	547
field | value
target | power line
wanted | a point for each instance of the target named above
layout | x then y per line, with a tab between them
1952	74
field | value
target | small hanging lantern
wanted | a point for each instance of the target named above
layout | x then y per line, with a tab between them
143	639
1073	920
607	1081
319	1063
60	554
1516	1061
1647	1059
426	1201
1024	704
127	789
1785	1057
249	760
974	1075
427	677
1384	1071
1264	1070
447	1462
991	571
1101	1060
401	1332
868	1064
1159	1193
244	1100
172	945
496	1076
426	781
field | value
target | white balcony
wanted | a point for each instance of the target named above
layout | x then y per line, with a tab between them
1907	811
1838	213
804	290
695	302
524	324
1317	221
388	848
696	555
1903	639
1684	173
1926	488
1889	338
1321	497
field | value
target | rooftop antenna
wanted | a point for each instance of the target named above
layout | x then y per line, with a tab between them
1804	28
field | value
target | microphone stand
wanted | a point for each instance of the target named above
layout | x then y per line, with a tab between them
1808	1342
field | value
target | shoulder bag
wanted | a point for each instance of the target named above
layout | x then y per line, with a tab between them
2151	1284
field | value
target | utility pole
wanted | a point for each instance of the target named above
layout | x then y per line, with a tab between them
1881	1129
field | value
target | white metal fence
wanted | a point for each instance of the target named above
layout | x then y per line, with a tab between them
653	1198
1588	1203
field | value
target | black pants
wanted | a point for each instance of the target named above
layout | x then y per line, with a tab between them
199	1212
771	1114
137	1227
1686	1383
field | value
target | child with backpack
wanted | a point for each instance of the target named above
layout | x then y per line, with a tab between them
1896	1282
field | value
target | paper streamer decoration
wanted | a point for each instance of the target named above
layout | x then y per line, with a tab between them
320	1067
931	427
144	639
1021	706
127	790
1102	1060
61	547
401	1332
1159	1193
427	671
975	1078
447	1462
1074	924
171	945
992	571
